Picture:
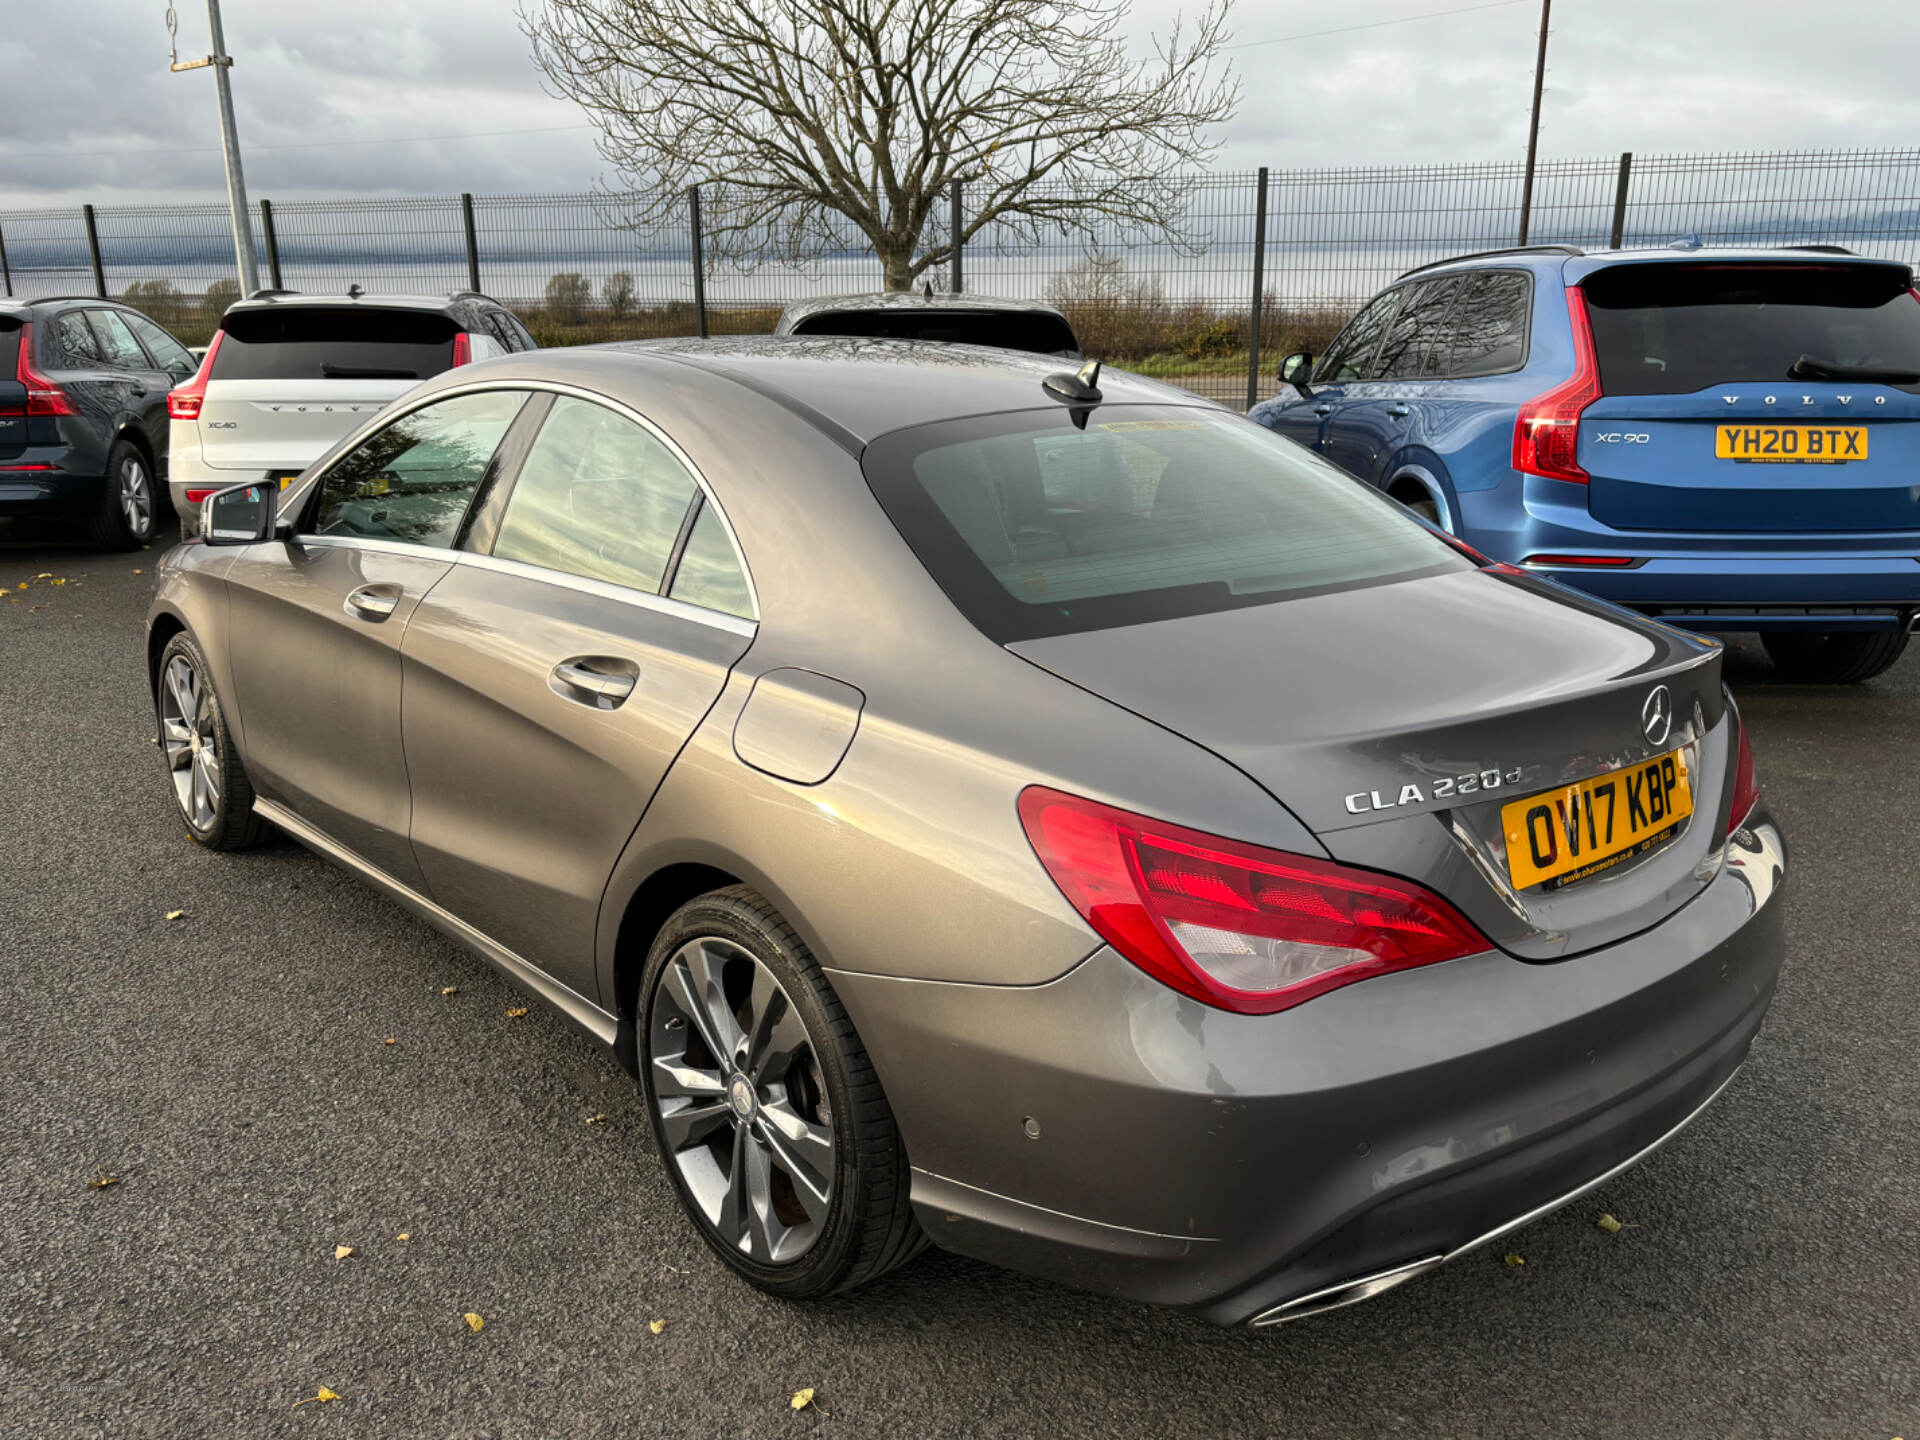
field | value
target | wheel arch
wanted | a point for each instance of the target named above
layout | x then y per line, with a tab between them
642	916
1415	481
163	627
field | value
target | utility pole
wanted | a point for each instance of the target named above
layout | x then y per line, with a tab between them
1533	126
221	63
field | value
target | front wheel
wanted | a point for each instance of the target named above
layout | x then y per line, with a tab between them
765	1106
1843	658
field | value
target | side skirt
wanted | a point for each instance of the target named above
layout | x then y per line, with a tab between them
570	1002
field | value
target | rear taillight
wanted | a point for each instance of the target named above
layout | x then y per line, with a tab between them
1546	437
44	395
194	497
183	403
462	348
1746	792
1231	924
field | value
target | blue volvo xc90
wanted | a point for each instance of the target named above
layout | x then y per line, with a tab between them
1722	438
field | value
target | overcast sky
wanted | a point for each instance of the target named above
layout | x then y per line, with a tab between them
111	124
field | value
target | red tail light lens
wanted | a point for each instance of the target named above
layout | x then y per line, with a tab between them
183	402
1231	924
1746	792
462	348
1546	437
1604	561
44	395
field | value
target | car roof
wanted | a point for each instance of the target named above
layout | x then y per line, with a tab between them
850	388
909	300
21	304
300	300
1575	264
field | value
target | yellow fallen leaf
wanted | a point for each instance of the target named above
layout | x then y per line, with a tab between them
450	990
1610	1225
517	1012
596	1120
139	572
1515	1260
390	1040
23	584
340	1252
60	581
800	1399
175	914
101	1180
319	1398
404	1235
656	1326
474	1322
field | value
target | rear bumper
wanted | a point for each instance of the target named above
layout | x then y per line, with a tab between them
189	473
1738	581
56	492
1237	1164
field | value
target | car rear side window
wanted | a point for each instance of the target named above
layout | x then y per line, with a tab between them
78	347
1672	329
168	353
1406	346
118	348
333	343
598	497
1483	329
1035	526
709	573
413	480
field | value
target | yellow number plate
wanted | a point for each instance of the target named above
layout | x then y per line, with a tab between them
1799	444
1564	835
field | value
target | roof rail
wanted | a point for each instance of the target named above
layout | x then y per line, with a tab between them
1489	254
267	294
1820	249
62	299
470	294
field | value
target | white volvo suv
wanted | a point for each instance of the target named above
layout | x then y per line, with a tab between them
286	375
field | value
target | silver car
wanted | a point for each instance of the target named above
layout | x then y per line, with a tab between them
1035	812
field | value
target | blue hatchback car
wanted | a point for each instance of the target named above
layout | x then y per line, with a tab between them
1728	439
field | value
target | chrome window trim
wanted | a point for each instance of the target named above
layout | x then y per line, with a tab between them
296	497
604	589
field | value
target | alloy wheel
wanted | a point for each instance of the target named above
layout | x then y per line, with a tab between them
136	497
740	1101
190	737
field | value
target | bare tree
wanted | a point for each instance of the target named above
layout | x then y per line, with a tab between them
817	123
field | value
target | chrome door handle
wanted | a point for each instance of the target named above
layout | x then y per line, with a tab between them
602	689
1399	412
373	602
1323	410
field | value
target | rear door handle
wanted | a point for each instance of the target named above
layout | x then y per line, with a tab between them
1399	412
594	682
373	602
1323	410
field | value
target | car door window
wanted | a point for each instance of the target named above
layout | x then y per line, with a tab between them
118	348
1350	357
1406	344
598	497
709	573
75	337
1485	330
413	480
168	353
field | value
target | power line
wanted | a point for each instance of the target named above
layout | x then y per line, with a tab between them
321	144
1373	24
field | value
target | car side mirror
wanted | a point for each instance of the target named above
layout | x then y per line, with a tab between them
240	514
1297	370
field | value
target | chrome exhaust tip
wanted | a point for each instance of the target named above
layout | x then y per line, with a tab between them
1347	1292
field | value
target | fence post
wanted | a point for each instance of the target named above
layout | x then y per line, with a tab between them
699	261
273	242
1259	287
6	271
473	242
1620	199
93	248
957	213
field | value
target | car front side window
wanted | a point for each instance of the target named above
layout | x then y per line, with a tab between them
1350	357
598	497
412	480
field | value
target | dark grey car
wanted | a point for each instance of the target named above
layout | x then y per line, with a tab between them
1037	813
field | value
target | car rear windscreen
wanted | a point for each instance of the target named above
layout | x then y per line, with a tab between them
1034	525
1663	329
1006	330
322	343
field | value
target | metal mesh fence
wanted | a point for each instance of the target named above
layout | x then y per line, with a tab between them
586	267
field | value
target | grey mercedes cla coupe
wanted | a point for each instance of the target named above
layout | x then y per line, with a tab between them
1036	812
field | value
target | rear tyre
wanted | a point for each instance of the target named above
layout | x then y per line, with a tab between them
210	785
765	1106
122	519
1833	659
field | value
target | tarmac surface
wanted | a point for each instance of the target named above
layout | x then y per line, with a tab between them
231	1069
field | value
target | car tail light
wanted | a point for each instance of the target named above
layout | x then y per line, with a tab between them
44	395
1746	792
184	401
1603	561
1546	437
462	348
1234	925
